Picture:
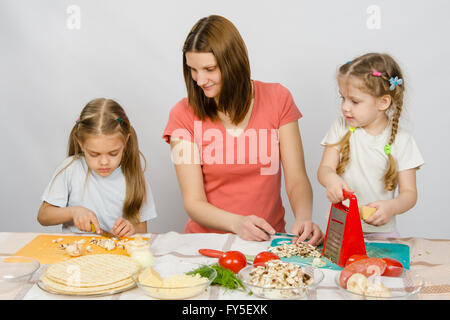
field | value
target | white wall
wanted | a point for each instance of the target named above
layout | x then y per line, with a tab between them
131	51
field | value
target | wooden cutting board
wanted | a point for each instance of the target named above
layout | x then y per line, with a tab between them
43	249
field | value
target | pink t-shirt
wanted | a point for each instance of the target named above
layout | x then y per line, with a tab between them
241	174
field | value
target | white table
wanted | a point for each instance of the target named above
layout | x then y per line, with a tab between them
429	257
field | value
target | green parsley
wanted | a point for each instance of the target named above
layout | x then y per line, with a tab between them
225	277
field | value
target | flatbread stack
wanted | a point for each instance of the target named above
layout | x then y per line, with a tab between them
91	275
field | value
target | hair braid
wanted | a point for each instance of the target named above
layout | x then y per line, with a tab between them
344	147
390	176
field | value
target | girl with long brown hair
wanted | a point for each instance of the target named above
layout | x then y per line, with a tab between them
366	151
101	182
228	138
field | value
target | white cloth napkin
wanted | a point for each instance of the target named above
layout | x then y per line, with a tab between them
186	244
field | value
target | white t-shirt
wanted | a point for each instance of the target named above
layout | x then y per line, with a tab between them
102	195
368	163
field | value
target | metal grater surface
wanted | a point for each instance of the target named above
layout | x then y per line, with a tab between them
335	234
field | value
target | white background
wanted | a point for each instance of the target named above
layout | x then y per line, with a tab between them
131	51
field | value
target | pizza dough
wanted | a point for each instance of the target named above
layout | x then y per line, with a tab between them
91	274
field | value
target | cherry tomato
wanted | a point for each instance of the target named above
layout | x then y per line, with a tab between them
354	258
393	269
262	257
233	260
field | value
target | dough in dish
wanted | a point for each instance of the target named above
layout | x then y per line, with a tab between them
91	274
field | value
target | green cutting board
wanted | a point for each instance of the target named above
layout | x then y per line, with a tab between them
399	252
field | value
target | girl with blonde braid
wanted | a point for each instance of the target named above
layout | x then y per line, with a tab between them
366	152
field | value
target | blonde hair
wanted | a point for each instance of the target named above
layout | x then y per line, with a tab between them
217	35
377	85
106	116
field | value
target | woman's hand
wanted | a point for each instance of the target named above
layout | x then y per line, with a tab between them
123	228
385	211
307	229
334	189
82	219
253	228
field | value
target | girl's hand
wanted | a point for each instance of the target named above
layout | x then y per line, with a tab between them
334	189
82	219
384	213
307	229
253	228
123	228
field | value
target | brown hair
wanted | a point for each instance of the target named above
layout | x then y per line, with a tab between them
106	116
362	68
219	36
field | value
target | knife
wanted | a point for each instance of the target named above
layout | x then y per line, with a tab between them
283	234
108	234
103	233
279	234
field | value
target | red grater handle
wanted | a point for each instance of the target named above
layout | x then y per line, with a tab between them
347	194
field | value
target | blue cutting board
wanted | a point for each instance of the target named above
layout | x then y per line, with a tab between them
399	252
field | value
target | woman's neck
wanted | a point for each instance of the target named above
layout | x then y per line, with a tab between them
222	114
225	117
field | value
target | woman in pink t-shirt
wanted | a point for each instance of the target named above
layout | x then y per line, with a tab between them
228	138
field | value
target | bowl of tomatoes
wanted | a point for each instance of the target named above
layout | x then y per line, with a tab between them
360	287
371	278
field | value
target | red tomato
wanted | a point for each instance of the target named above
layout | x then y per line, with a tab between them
354	258
393	269
262	257
233	260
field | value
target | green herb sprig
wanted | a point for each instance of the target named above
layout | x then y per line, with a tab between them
225	277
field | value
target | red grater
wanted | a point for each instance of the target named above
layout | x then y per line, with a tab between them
344	236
